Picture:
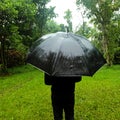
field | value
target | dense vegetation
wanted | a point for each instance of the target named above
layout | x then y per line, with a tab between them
24	21
105	15
21	23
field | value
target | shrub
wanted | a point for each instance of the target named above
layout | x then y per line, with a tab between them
117	56
14	58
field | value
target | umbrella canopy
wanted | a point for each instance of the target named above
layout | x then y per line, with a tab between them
65	54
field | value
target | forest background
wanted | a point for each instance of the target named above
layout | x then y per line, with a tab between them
24	21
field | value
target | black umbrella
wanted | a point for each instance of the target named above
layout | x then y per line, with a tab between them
65	54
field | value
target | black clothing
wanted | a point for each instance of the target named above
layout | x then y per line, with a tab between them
62	95
50	80
63	99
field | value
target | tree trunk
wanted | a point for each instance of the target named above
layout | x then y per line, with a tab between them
3	57
105	43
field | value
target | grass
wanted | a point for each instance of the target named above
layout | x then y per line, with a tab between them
24	96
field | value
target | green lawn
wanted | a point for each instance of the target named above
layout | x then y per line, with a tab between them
24	96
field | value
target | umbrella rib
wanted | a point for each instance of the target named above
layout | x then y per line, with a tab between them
55	58
65	55
84	58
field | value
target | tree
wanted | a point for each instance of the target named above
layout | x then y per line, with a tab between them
7	27
43	14
85	30
26	21
21	22
68	17
13	15
62	27
101	13
51	27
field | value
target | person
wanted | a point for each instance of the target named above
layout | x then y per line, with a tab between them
62	95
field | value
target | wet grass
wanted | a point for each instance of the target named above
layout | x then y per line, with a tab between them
98	98
24	96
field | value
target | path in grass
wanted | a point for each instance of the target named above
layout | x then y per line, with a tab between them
24	96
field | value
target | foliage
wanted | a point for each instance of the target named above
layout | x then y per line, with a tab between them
85	30
21	23
16	19
14	58
7	27
24	96
25	21
68	17
103	14
42	15
52	27
62	27
117	56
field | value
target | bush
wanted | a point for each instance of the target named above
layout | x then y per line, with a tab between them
14	58
117	56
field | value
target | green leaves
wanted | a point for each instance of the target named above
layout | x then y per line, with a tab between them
22	22
16	18
68	17
103	14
